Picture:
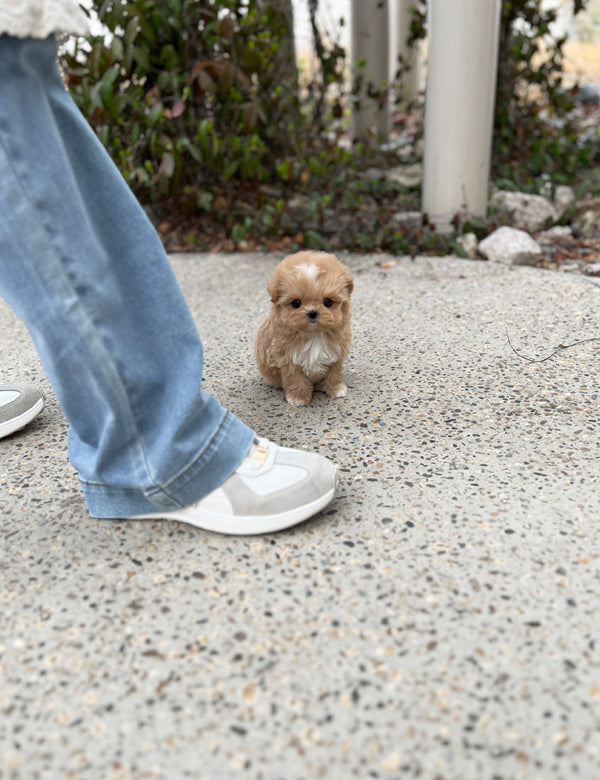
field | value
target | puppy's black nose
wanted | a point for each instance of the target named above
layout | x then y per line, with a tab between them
312	314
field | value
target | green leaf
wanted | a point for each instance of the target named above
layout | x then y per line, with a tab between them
167	165
131	31
155	114
141	57
169	57
204	200
231	169
117	49
148	31
110	75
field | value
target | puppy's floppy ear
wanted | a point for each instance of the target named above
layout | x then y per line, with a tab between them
274	286
349	282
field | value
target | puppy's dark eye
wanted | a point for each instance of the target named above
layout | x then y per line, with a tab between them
296	304
328	302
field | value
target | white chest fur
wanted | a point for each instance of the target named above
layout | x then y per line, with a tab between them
316	354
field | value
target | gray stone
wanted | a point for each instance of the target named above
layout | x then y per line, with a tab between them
529	212
564	199
511	247
406	175
546	189
411	220
554	234
588	224
468	243
373	173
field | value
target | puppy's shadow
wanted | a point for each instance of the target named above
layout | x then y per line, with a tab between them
261	398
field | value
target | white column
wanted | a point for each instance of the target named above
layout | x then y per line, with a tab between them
370	34
400	17
459	107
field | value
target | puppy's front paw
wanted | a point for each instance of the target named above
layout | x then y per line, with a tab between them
338	392
297	401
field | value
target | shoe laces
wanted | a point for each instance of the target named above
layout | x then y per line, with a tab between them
258	455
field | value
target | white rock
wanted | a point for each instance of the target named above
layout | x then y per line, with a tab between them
468	243
510	246
564	198
529	212
567	268
588	224
546	189
373	173
411	220
406	175
557	233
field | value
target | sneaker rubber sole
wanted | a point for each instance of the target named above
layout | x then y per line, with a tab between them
17	423
245	525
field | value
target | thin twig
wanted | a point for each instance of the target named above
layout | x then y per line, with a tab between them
558	349
313	7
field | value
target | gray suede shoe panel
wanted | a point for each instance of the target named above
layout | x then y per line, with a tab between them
29	396
244	501
17	413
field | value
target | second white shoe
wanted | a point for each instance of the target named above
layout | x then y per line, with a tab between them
20	402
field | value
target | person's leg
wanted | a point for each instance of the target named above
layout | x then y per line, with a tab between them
83	267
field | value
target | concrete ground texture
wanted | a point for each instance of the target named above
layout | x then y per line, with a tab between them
438	620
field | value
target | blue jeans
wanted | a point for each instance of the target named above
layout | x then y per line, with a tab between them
83	267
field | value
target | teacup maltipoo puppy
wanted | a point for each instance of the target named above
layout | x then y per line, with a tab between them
303	342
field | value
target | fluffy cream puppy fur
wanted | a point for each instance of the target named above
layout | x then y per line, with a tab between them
305	338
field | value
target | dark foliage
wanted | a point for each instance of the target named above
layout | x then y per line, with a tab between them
200	106
536	128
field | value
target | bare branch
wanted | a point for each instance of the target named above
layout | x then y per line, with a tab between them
558	349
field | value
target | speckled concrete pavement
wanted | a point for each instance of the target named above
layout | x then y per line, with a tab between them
439	620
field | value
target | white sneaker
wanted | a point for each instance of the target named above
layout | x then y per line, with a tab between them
273	488
19	404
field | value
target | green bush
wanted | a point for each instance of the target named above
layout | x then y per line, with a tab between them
182	93
536	135
200	106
